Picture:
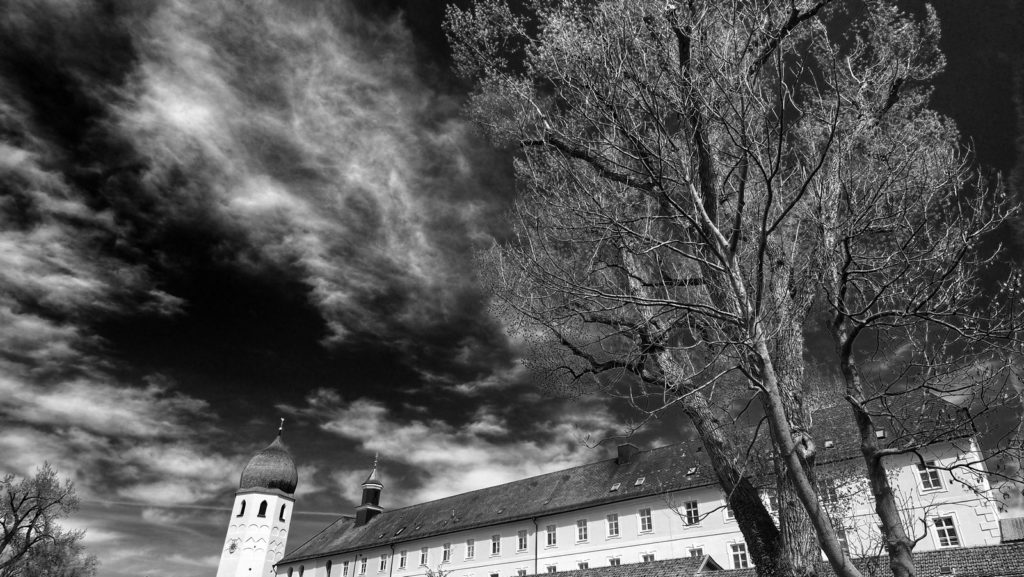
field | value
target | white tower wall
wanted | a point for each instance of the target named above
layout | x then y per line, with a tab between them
255	543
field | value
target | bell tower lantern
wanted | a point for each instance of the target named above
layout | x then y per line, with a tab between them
370	506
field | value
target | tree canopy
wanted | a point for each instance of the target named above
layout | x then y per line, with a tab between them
32	542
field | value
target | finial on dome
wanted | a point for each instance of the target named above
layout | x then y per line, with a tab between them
372	479
271	468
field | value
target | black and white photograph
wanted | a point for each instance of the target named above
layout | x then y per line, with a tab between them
503	288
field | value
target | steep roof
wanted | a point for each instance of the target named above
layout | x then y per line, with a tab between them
665	469
1012	529
916	419
1006	560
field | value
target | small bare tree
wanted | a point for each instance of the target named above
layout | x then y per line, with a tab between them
32	542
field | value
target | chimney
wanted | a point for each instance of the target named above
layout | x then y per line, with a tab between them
626	453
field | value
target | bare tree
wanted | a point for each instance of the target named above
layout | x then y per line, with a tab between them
32	542
696	182
906	243
657	236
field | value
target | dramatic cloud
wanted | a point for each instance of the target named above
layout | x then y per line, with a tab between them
286	140
281	125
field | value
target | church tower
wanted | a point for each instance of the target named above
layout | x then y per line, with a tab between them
258	530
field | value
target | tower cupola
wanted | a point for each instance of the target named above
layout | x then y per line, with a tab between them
271	468
370	506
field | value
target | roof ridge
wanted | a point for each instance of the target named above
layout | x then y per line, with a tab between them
492	487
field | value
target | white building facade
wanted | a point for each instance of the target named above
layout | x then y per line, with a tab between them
641	506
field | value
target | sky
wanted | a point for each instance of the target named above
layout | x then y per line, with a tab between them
217	214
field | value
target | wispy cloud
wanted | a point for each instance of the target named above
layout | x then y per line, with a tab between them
426	459
327	164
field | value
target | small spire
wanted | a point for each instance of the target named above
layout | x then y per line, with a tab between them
372	479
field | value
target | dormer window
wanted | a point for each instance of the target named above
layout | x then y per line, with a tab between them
879	433
639	481
614	488
399	532
830	444
691	471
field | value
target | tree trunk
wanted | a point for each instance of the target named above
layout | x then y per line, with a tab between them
783	436
758	527
897	543
798	537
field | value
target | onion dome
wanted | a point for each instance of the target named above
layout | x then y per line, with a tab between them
271	468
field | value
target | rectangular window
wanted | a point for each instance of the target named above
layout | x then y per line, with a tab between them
647	557
470	548
521	572
844	543
739	556
423	556
446	552
829	493
344	569
646	525
383	563
930	479
552	568
691	513
770	500
362	566
521	540
729	513
494	575
584	565
403	559
613	525
696	551
496	545
945	531
581	530
552	535
614	562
